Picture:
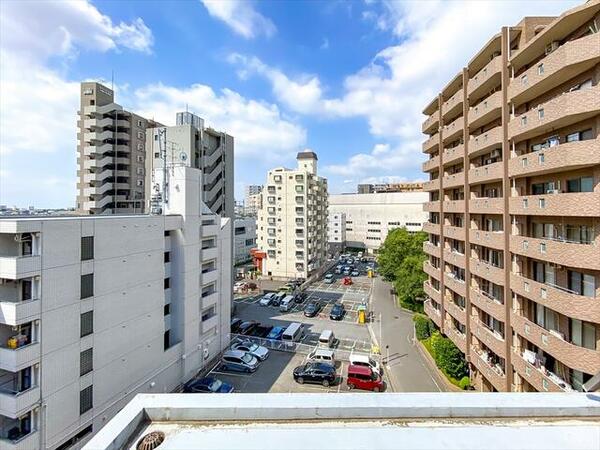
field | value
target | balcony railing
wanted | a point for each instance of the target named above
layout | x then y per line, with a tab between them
487	303
453	130
454	180
487	78
531	369
492	239
487	173
453	155
491	338
16	267
486	205
486	111
493	373
485	141
487	271
583	256
573	204
454	206
18	312
431	143
453	103
431	164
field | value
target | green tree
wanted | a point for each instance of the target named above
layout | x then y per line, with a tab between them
398	244
409	282
423	326
449	358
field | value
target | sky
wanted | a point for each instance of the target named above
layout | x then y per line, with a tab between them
347	79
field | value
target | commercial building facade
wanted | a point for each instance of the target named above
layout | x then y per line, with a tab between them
111	154
244	237
292	224
514	210
369	217
389	187
336	232
94	309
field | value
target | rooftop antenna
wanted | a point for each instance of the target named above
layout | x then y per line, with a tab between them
112	80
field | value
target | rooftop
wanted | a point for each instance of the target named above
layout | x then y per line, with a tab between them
358	421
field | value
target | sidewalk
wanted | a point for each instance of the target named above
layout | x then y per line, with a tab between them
407	369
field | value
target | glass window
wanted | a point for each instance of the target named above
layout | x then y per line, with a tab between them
87	285
86	399
86	323
86	361
87	248
572	137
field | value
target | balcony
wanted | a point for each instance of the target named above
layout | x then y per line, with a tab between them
487	303
485	111
490	338
210	253
17	267
573	204
455	258
455	311
453	155
486	79
210	276
454	180
15	359
432	271
210	299
563	157
558	298
18	312
562	111
431	164
492	239
431	123
454	284
570	59
13	404
454	206
27	442
459	339
487	271
431	185
582	256
431	292
578	358
432	228
485	141
433	206
454	232
486	205
433	313
431	249
486	174
492	373
210	323
453	130
454	104
540	378
431	143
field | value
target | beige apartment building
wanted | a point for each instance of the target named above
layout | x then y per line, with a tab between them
111	154
514	210
292	223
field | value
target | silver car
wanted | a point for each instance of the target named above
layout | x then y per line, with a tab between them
239	361
250	347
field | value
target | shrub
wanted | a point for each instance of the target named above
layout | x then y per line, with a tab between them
448	357
464	383
423	326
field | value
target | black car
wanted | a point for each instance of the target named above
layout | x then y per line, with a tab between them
312	308
247	327
337	312
300	297
315	372
260	331
207	385
235	324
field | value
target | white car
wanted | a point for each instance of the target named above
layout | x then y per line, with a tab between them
267	299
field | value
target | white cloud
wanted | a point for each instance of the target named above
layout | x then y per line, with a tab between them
259	130
241	17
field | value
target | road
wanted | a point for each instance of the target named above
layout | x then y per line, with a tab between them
407	369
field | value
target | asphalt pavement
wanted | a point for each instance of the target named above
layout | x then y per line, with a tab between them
406	367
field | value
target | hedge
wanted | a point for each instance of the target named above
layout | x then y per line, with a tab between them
424	326
448	357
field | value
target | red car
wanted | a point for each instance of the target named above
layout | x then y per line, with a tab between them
347	281
362	377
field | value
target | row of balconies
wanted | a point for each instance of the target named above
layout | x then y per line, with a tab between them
459	339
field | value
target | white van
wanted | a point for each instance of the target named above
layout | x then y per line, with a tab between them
327	339
287	303
367	361
293	333
322	355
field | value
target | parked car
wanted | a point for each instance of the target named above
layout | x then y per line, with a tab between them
260	331
347	281
323	355
277	299
247	327
315	372
209	385
337	312
357	359
300	297
312	308
363	377
355	273
267	299
240	286
235	324
276	333
255	350
238	361
329	279
346	272
338	270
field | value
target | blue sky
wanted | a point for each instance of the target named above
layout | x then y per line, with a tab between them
346	79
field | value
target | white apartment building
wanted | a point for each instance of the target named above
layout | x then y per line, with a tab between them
369	217
95	309
111	154
244	236
336	232
292	223
252	204
189	143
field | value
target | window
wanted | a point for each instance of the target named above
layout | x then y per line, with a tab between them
139	170
581	184
167	257
140	135
209	313
583	334
139	183
167	309
167	283
87	286
86	324
540	69
540	113
523	120
167	339
582	283
87	248
86	361
86	399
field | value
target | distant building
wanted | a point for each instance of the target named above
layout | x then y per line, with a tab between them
253	203
244	235
389	187
336	232
369	217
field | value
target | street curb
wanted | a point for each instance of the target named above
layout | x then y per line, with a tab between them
437	373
